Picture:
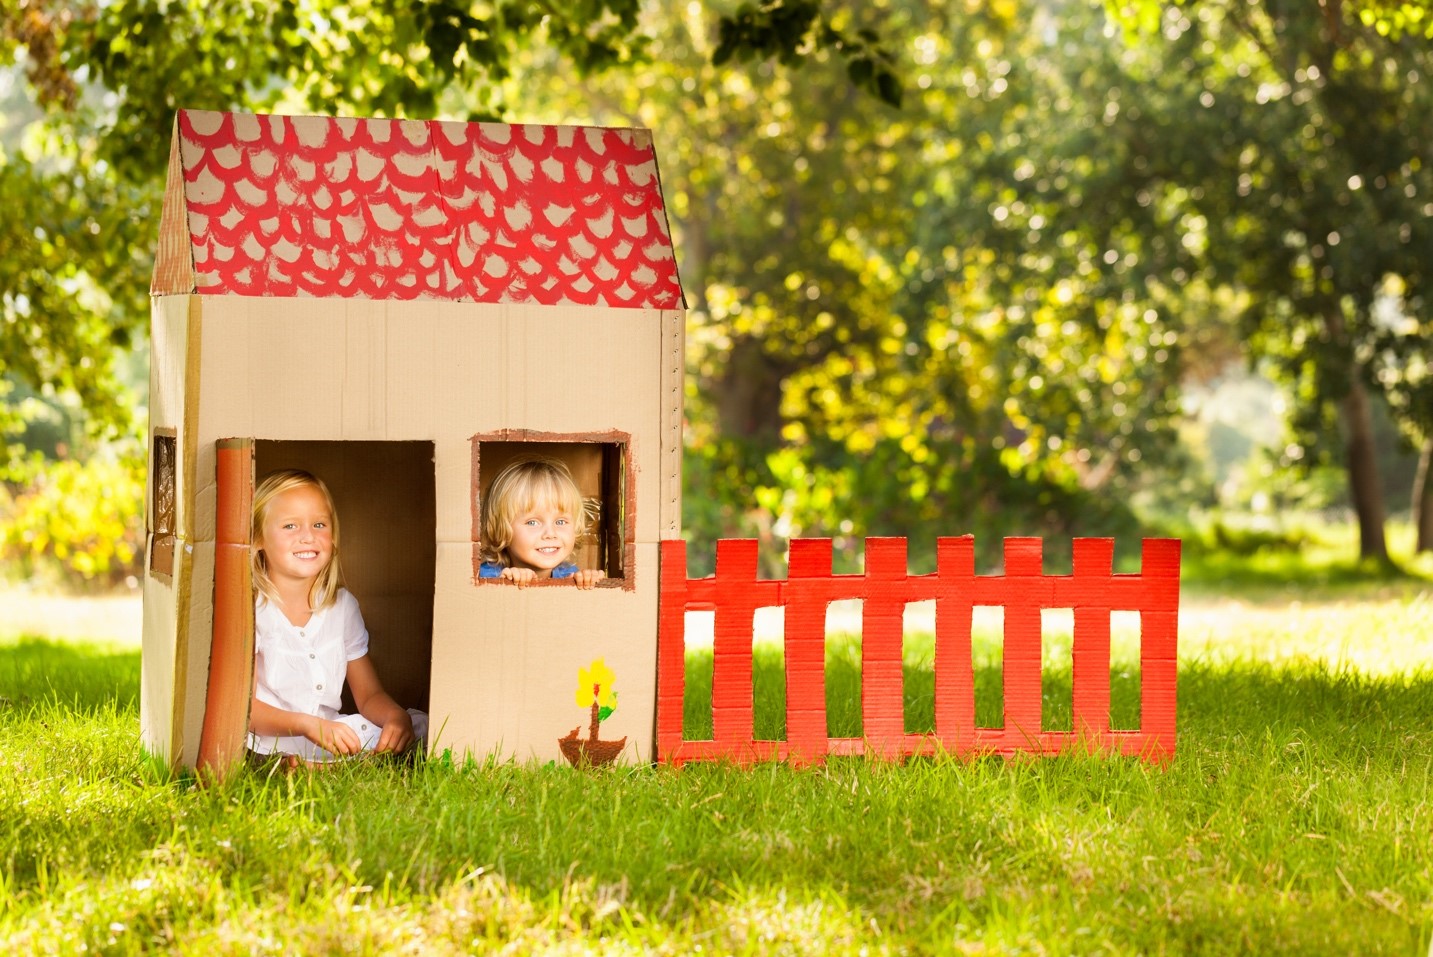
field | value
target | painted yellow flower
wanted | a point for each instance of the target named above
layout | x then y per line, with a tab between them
594	683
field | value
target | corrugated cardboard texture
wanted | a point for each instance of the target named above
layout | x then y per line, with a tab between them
885	589
173	389
173	256
158	651
231	651
510	657
327	384
196	632
305	370
673	375
169	347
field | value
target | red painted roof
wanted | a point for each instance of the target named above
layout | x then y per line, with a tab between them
413	209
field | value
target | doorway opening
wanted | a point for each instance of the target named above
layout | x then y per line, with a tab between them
387	513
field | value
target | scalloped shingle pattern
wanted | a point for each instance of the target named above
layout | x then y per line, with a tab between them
411	209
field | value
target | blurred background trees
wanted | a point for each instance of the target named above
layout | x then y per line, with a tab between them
1041	267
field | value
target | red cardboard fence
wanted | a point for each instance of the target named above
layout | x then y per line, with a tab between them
1092	591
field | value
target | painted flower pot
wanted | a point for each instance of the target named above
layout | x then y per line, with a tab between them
590	752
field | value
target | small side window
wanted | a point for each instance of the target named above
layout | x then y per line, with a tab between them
162	505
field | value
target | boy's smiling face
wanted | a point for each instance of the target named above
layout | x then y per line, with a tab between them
542	539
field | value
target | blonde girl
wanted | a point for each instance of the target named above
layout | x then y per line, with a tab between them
309	637
532	517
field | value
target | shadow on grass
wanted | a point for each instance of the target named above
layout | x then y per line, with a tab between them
1337	708
1271	572
81	676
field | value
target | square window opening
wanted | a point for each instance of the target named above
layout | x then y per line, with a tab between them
601	467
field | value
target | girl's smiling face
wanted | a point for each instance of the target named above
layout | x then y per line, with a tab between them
542	538
297	536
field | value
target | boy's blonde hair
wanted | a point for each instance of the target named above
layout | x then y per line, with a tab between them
324	590
519	488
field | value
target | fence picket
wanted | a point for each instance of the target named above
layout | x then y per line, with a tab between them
1090	658
808	585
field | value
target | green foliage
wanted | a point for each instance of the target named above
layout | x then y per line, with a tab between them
75	522
74	264
974	313
793	30
1298	148
35	425
1293	557
1396	18
81	186
874	349
363	58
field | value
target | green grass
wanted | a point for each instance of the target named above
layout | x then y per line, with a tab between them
1295	818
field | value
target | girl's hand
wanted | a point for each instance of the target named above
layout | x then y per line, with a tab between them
397	735
588	577
338	737
520	576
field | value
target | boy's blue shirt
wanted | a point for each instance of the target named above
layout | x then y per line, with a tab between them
494	570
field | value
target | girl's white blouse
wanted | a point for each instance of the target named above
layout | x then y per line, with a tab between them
302	668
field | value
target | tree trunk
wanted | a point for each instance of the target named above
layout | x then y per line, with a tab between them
749	394
1362	463
1423	498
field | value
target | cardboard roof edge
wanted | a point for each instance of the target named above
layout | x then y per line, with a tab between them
312	206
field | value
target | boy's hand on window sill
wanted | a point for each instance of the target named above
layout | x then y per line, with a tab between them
588	577
519	576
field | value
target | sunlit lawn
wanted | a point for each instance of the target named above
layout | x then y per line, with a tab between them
1294	819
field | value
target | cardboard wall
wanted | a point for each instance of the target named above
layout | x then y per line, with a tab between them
162	698
511	659
292	374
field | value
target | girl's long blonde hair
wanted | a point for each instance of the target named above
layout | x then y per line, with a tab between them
519	488
324	590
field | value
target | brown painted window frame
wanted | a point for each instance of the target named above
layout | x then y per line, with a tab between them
618	538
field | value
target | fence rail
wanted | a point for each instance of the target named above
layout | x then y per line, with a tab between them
1093	590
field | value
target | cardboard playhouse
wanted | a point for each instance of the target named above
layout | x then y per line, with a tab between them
403	307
